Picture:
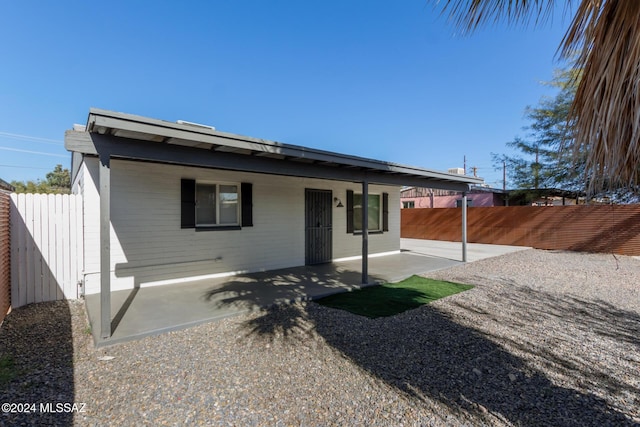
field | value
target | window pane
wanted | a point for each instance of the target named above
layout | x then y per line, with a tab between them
228	204
357	212
205	204
374	212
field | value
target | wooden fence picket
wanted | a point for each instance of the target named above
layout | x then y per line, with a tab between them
46	247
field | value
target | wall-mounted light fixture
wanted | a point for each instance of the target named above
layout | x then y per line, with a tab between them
338	202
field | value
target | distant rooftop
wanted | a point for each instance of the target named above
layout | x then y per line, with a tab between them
4	185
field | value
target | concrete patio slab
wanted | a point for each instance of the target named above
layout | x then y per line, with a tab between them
453	250
148	311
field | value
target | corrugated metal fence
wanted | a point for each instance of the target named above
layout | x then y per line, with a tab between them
606	229
46	247
5	259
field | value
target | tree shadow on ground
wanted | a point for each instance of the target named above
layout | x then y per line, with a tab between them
429	355
255	291
36	342
599	332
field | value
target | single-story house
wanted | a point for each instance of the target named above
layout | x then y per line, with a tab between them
170	202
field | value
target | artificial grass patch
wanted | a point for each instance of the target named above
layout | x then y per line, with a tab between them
393	298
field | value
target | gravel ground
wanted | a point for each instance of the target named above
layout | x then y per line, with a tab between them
545	338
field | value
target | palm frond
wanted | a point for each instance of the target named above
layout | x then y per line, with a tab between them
470	14
606	108
605	114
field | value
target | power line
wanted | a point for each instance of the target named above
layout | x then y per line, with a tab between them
31	138
33	152
22	167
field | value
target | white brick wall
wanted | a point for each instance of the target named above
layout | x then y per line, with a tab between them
149	247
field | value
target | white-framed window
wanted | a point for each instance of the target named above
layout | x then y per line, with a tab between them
217	204
375	212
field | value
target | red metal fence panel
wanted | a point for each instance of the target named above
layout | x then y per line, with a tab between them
584	228
5	253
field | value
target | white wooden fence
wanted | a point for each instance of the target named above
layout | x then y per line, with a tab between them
46	247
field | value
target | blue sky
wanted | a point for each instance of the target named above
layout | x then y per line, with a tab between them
387	80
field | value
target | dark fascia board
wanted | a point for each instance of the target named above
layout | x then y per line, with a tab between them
108	146
104	121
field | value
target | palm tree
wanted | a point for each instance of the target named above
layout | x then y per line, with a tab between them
605	114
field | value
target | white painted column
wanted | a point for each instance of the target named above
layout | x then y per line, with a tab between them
105	246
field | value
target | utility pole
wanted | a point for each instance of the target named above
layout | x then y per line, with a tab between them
504	175
504	182
536	171
475	171
465	164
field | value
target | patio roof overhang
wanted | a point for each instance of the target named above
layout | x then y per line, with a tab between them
112	135
134	137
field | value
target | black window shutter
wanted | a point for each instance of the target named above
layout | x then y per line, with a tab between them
188	207
246	194
349	211
385	211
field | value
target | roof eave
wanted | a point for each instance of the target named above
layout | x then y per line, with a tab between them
160	131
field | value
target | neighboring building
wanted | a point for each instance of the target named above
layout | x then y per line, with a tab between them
479	195
167	202
4	185
545	197
414	197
